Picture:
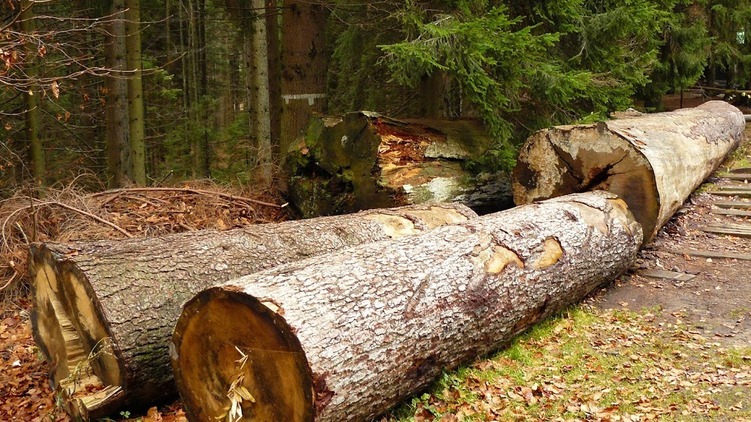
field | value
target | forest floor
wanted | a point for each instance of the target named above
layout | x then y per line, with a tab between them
643	348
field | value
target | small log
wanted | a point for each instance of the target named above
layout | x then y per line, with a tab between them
105	310
365	160
347	335
653	162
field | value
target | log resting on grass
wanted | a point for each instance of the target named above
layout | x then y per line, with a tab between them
654	161
347	335
365	160
105	310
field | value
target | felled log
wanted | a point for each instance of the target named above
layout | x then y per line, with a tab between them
653	162
105	310
364	160
347	335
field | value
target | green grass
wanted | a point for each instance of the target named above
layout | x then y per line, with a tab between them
595	365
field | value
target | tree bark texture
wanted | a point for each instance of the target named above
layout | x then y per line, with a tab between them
304	66
347	335
364	160
258	91
105	310
135	91
32	117
653	161
116	111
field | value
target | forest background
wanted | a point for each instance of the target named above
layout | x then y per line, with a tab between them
150	93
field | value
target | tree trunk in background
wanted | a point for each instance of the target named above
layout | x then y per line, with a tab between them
273	33
345	336
258	92
116	111
31	97
364	160
654	162
433	96
118	301
304	65
135	91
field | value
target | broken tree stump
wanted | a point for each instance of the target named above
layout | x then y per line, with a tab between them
364	160
654	162
347	335
105	310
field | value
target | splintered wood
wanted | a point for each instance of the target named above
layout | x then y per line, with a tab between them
654	161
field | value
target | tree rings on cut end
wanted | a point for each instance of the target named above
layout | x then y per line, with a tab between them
233	353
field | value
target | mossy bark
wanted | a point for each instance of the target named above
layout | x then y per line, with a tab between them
364	160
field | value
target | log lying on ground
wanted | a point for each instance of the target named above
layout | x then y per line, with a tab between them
105	310
364	160
654	162
347	335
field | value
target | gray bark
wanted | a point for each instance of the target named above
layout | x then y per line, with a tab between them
347	335
119	300
654	161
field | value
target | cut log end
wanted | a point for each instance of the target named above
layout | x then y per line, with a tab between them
68	329
237	356
558	162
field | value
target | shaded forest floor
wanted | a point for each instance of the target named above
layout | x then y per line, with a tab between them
644	348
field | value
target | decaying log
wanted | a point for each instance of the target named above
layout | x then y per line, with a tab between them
364	160
653	162
347	335
105	310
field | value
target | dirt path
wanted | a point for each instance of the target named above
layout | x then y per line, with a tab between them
716	302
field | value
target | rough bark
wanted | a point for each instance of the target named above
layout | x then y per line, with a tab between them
347	335
105	310
653	162
258	91
304	66
135	91
32	115
116	111
363	160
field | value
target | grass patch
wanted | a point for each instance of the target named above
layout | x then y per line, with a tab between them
588	364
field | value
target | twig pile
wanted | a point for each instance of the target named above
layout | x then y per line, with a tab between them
71	214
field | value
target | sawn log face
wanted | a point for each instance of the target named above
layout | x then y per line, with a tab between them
378	322
654	161
119	300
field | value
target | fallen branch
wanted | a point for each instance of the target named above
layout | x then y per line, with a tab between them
190	190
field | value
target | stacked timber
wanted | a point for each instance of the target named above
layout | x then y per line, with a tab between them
365	160
347	335
105	310
653	161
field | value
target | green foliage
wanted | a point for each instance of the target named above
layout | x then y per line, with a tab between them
531	65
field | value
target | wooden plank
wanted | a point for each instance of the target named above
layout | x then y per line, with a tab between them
746	170
737	213
739	193
738	176
670	275
712	254
737	230
733	204
734	186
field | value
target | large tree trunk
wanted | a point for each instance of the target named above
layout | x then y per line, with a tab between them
135	91
347	335
653	162
116	111
32	116
363	160
258	91
105	310
304	66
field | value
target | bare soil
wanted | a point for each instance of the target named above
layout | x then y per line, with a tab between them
717	302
